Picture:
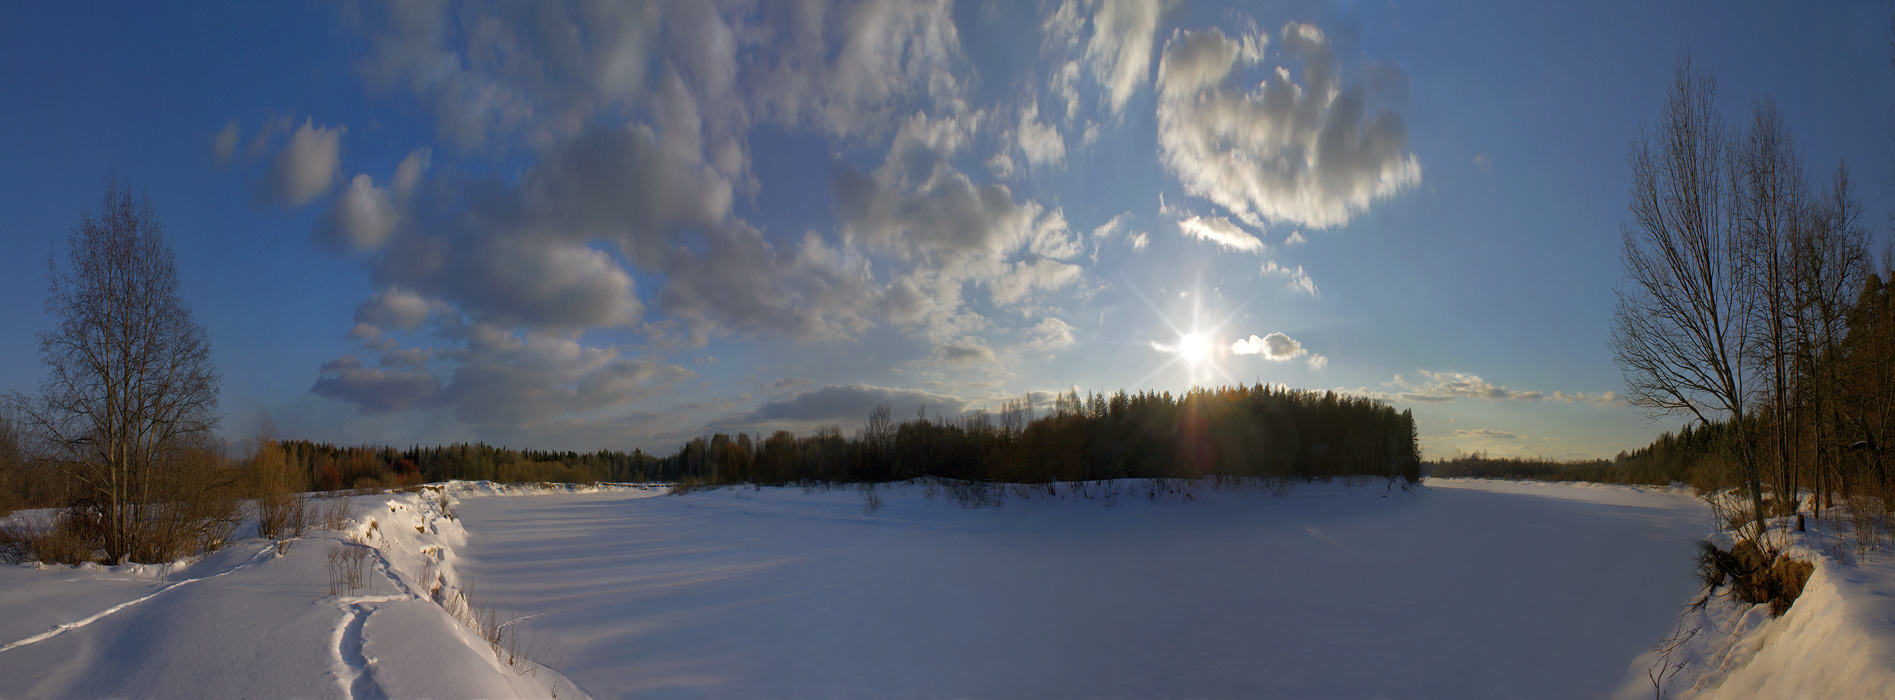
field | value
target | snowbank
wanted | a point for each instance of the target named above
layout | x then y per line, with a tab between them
1837	641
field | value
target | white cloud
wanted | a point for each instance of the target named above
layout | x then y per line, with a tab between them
1038	141
1315	153
1050	334
1120	49
1001	165
1117	50
1140	240
1296	238
363	217
1437	387
397	308
1296	280
1603	400
1275	347
1318	361
1025	277
1485	434
307	167
1221	231
1052	238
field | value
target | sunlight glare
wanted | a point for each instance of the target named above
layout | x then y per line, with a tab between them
1195	348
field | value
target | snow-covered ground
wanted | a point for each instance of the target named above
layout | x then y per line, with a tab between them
252	622
1465	589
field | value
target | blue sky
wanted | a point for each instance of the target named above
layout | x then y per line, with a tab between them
617	225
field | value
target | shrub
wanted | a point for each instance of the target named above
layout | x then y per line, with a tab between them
1754	574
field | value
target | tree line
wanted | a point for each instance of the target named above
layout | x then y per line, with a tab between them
1239	432
1697	456
1236	432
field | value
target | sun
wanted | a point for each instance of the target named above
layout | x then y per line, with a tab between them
1194	348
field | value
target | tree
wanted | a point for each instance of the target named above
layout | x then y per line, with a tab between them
1680	331
128	402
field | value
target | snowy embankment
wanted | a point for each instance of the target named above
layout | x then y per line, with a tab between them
1837	641
255	621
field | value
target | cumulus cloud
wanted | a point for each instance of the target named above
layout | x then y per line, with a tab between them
1050	334
967	351
1313	153
362	218
1295	280
1221	231
307	167
224	143
1140	240
506	383
398	309
365	216
854	402
1275	347
947	232
1317	361
374	390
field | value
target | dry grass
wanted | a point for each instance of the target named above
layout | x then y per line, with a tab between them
1754	574
347	563
509	645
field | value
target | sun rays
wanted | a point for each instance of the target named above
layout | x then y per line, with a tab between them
1199	348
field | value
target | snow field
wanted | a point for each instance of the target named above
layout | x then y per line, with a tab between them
248	621
1468	589
1459	591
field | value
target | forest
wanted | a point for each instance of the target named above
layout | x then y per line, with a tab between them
1228	433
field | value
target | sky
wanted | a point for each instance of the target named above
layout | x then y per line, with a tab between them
615	225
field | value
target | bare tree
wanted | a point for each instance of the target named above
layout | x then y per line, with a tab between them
1679	332
1832	264
129	399
1770	211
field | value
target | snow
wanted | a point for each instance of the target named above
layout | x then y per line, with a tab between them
248	621
1463	589
1460	591
1837	641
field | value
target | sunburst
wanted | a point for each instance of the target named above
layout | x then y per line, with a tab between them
1200	349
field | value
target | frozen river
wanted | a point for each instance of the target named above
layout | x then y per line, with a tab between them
1463	590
